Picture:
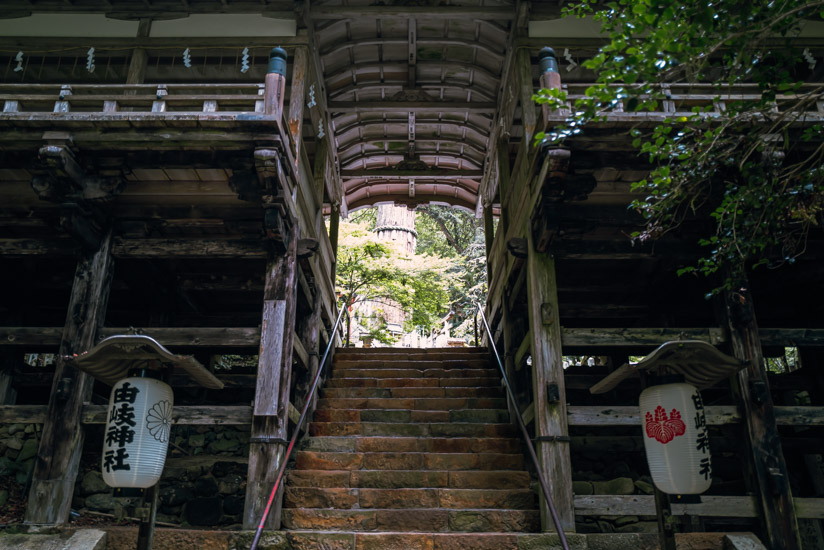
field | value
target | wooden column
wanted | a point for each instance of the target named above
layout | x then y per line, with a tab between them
489	238
529	115
270	419
137	65
334	227
297	97
61	443
764	444
549	394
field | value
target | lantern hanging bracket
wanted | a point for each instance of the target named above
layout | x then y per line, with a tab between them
700	363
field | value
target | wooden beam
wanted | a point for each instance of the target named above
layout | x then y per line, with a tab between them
505	111
389	173
61	443
631	337
271	407
579	416
584	338
766	459
428	107
319	114
548	392
709	506
392	12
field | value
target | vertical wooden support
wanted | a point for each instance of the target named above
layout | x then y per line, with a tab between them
764	449
137	66
489	238
529	115
549	394
270	419
334	227
61	443
297	97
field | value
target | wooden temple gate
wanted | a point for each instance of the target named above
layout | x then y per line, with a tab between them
196	212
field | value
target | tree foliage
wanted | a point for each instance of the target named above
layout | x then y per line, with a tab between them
754	169
369	270
458	236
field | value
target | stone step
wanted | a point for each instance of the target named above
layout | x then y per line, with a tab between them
426	393
424	404
421	371
488	381
434	429
455	499
324	460
406	364
489	416
409	479
415	520
412	444
431	353
392	540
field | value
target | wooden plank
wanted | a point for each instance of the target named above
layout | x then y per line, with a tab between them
300	351
630	416
548	392
189	248
767	468
710	506
61	442
270	423
523	349
188	415
630	337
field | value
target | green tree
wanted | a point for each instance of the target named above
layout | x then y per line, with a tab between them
754	170
373	271
458	236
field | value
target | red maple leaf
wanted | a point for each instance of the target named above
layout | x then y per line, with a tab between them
664	429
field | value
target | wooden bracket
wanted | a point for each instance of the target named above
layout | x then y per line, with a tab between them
64	179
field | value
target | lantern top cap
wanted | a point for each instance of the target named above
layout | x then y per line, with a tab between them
113	358
699	362
546	52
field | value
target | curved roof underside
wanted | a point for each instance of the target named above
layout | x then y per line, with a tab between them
412	100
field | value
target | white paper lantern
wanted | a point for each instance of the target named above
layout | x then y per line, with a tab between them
138	424
676	438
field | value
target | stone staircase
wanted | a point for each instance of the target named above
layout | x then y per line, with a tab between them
409	449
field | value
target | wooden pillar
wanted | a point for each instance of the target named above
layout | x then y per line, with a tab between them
61	443
270	419
529	115
549	394
334	228
297	97
764	444
489	238
137	65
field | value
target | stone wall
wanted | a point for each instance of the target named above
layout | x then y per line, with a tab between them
203	483
18	447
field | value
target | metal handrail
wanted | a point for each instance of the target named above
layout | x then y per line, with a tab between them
544	487
296	433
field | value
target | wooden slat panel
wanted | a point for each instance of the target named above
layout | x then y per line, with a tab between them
710	506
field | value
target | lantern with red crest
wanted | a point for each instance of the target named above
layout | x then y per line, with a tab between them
676	439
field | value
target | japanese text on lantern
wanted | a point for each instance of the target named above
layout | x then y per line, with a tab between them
121	428
702	440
